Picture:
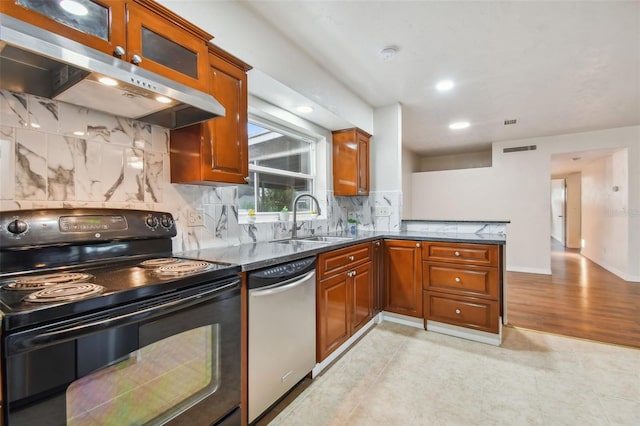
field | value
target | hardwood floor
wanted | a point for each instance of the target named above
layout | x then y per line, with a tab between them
579	299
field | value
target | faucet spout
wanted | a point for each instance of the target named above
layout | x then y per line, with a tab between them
294	231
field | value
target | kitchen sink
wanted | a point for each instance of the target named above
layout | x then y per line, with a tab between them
327	239
318	239
299	242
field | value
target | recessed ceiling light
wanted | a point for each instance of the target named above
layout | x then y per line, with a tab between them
389	52
78	133
163	99
108	81
74	7
304	109
444	85
459	125
35	125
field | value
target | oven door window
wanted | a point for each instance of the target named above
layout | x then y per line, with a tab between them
151	385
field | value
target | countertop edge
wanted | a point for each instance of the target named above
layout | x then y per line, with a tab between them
252	256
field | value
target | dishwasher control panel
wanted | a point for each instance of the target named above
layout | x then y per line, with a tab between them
281	272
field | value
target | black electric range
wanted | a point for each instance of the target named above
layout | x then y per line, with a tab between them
65	262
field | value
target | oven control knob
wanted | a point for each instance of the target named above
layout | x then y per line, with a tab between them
17	226
166	221
151	221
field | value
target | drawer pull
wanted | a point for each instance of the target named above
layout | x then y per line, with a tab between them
458	311
457	253
351	258
458	279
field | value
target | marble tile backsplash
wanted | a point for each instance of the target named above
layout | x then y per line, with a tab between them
55	155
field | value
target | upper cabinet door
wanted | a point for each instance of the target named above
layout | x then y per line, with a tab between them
164	43
216	151
99	24
351	162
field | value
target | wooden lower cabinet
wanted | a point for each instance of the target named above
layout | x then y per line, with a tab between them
403	277
332	314
462	285
468	312
344	299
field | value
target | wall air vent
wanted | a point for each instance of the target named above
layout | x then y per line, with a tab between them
520	148
510	122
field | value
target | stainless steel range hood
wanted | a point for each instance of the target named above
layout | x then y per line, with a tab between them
45	64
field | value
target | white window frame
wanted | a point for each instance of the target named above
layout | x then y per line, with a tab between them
312	139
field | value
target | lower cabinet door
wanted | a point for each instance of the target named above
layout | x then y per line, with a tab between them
362	303
469	312
332	314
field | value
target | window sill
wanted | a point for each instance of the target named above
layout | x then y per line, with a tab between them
274	218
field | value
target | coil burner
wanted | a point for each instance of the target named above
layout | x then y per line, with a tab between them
160	261
184	268
40	282
64	292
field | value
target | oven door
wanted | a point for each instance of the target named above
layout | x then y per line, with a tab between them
170	359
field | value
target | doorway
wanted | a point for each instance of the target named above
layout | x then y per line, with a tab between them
558	210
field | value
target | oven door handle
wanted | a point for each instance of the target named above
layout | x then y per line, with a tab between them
29	341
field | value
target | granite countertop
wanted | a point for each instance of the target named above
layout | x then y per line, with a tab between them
259	255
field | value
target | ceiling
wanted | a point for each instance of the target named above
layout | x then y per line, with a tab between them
556	67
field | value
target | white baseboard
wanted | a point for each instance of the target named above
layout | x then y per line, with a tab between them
611	269
543	271
402	319
465	333
335	354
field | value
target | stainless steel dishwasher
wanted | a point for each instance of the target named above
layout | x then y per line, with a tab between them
282	330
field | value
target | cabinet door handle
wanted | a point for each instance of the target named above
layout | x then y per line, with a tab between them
458	311
417	244
136	59
377	243
457	253
351	258
119	51
458	279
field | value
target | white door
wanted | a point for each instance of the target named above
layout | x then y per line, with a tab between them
558	201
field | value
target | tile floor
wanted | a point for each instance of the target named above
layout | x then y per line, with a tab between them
398	375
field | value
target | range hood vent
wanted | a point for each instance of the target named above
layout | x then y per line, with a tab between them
42	63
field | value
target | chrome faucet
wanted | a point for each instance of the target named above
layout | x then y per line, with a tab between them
294	231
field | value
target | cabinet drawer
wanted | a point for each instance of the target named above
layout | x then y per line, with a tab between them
472	254
478	314
475	281
340	260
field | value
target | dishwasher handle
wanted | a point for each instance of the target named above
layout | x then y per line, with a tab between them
283	286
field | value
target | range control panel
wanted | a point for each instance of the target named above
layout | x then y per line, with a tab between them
25	228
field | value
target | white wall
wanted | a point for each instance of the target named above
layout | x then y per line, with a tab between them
605	227
574	209
241	32
517	188
467	160
386	149
410	164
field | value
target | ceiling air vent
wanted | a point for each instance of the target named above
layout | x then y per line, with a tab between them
510	122
520	148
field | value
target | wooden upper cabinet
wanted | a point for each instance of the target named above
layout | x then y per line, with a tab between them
217	150
164	43
141	32
351	163
102	27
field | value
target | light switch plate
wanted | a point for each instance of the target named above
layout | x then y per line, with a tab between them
195	217
382	211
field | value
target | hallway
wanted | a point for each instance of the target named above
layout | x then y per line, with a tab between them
579	299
